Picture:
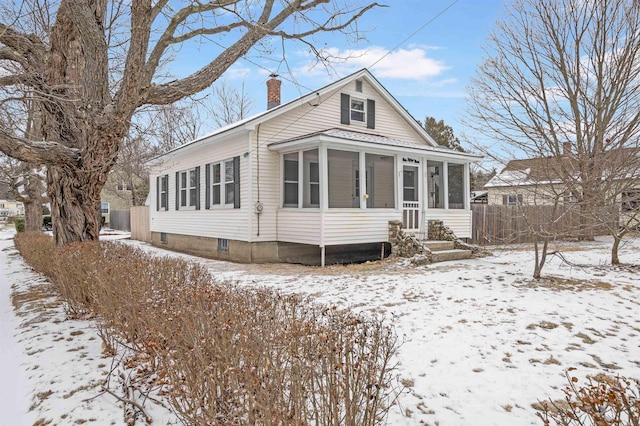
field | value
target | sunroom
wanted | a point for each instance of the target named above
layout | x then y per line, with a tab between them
341	187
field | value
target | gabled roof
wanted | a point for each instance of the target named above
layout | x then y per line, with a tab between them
532	171
250	122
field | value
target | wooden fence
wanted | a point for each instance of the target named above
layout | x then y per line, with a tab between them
497	224
120	220
140	224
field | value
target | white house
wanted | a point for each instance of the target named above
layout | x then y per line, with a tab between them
288	184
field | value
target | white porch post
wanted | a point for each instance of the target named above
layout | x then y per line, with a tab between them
300	178
467	187
362	171
445	184
323	160
399	189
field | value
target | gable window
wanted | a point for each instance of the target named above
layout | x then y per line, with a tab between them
357	110
162	195
188	189
359	86
223	183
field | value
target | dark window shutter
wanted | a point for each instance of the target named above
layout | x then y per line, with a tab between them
207	182
371	114
198	188
158	193
505	200
236	182
177	190
345	108
520	198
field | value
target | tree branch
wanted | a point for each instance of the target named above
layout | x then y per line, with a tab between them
44	153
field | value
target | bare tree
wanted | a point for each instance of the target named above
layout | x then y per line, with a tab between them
100	61
559	71
229	104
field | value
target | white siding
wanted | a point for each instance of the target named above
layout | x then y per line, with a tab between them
353	226
303	120
216	222
458	220
299	226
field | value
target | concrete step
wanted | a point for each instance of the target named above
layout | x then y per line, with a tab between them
434	245
445	255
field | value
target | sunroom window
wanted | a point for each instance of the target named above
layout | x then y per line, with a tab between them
455	180
435	185
311	191
291	180
380	182
343	179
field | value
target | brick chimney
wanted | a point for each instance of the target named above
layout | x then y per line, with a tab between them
566	149
273	91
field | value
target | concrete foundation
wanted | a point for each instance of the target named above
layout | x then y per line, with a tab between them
269	251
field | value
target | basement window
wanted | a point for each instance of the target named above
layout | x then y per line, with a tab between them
223	244
163	237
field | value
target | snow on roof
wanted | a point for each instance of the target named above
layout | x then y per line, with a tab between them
509	178
373	139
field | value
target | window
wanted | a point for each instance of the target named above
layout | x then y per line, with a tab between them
163	237
216	183
122	185
435	184
410	183
311	176
380	183
104	208
512	199
223	244
630	200
455	181
188	188
343	179
291	180
357	110
359	86
162	193
223	183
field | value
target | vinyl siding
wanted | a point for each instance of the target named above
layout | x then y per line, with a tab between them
303	120
299	226
216	222
458	220
353	226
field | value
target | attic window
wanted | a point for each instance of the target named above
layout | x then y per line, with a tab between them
357	110
359	86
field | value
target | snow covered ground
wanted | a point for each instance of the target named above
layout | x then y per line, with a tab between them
481	341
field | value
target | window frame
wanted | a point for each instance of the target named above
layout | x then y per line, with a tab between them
187	199
226	185
353	110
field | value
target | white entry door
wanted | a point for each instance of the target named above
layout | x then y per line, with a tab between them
411	198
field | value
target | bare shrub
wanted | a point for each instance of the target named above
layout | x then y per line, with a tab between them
38	249
227	354
602	401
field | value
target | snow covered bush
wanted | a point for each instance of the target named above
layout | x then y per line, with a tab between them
602	401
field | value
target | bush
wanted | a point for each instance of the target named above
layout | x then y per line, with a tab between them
602	401
228	354
19	223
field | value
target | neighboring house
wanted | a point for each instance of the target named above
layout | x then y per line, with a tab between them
10	208
536	181
320	176
117	194
479	197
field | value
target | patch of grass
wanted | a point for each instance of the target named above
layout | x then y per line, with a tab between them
585	338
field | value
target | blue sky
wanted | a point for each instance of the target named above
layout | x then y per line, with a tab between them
428	73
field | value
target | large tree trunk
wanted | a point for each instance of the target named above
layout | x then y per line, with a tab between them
33	216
